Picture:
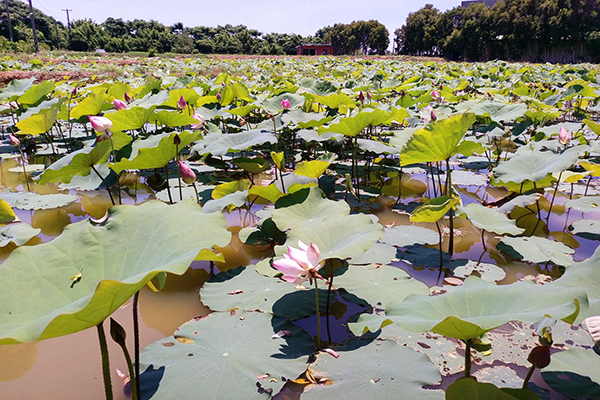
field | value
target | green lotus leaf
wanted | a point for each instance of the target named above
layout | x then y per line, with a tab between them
315	208
335	100
36	93
310	135
352	126
79	162
487	272
131	118
584	274
315	168
253	165
6	212
471	389
489	219
305	120
273	104
476	307
433	210
494	110
234	92
594	126
574	373
379	285
270	192
34	201
16	88
537	250
91	105
19	234
409	235
189	95
586	227
373	372
219	145
173	118
228	188
39	296
380	253
235	199
519	201
534	165
38	123
225	356
155	152
376	147
437	141
89	181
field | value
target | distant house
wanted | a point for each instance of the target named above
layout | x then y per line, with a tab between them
314	49
488	3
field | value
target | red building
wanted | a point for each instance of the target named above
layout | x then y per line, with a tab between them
314	49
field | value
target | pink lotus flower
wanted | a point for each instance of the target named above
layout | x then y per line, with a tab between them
369	95
14	140
200	119
100	124
187	174
435	95
564	137
432	116
119	104
285	104
300	265
361	97
105	136
181	104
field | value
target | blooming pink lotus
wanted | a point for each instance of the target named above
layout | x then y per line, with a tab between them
187	174
300	265
14	140
564	137
119	104
435	95
285	104
100	124
200	119
181	104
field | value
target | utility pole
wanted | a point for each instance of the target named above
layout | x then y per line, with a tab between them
68	20
10	35
35	41
57	37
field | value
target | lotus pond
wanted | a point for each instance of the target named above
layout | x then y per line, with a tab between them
300	228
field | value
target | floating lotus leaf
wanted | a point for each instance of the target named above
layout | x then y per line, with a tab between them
409	235
534	165
373	372
219	145
225	356
537	250
473	390
155	152
487	272
19	234
379	285
470	310
584	274
574	373
38	296
584	204
433	210
34	201
586	227
273	104
380	253
437	141
315	208
496	111
489	219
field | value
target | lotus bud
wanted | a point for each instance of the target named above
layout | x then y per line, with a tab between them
119	104
14	140
100	124
181	104
176	140
127	98
432	115
105	136
200	119
285	104
187	174
435	95
361	97
13	105
74	91
219	96
369	95
564	137
540	356
402	93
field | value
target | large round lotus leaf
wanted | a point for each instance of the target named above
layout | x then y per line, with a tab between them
586	227
574	373
219	145
232	200
273	104
379	285
337	236
471	389
314	209
381	370
534	165
437	141
584	274
489	219
537	250
352	126
380	253
228	356
487	272
409	235
496	111
40	296
584	204
19	234
156	151
376	147
16	88
34	201
470	310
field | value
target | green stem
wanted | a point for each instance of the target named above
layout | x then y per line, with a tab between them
114	154
136	346
105	184
318	315
196	190
437	224
24	168
449	193
168	184
467	359
528	377
178	172
105	361
330	271
553	197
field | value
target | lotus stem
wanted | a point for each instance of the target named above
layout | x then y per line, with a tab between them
105	361
24	169
467	359
178	172
528	377
330	270
136	343
105	184
318	315
168	184
483	240
399	201
553	197
437	224
196	190
449	193
114	154
587	185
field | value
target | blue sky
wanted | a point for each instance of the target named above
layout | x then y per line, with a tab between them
303	17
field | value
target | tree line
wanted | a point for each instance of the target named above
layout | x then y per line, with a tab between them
119	36
566	31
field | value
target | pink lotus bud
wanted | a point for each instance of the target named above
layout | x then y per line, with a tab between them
187	174
361	97
219	96
13	105
127	98
432	115
285	104
14	140
105	136
435	95
119	104
200	119
540	356
564	137
100	124
74	91
369	95
181	104
176	140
